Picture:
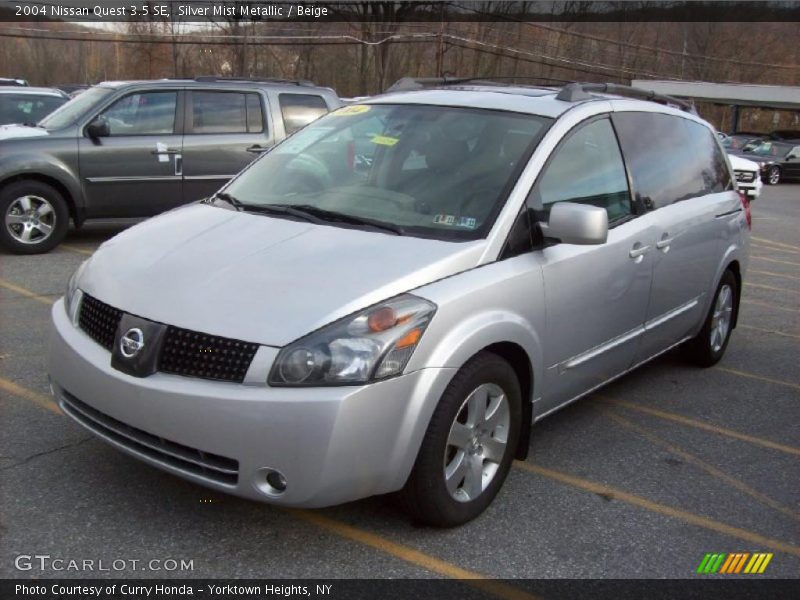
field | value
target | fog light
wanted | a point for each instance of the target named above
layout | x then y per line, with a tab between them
277	481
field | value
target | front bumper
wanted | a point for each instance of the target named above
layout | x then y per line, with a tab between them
752	188
332	444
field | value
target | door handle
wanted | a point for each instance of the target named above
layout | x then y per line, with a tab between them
664	242
167	151
638	251
255	148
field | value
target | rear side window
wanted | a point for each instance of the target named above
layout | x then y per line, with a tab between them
671	158
226	112
586	168
299	110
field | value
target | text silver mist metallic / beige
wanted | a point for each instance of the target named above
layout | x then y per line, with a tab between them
389	299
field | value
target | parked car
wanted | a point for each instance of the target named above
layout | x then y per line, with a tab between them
778	160
29	105
317	333
737	141
13	82
134	149
747	174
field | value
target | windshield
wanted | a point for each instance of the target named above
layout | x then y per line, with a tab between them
762	148
70	112
27	108
431	171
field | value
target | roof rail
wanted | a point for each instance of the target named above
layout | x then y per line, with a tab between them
212	78
407	84
576	92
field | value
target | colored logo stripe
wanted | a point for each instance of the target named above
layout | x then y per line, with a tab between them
734	563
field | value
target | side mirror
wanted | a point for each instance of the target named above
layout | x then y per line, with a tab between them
98	128
574	223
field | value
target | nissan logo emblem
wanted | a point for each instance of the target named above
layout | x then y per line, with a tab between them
131	343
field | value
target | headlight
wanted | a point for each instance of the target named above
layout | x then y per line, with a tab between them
72	295
373	344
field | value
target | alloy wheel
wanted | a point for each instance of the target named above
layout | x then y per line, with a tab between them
721	318
774	175
477	442
30	219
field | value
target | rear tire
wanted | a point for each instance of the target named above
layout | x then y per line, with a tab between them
707	347
773	175
469	445
34	217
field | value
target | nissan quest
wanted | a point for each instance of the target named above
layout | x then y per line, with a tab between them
389	299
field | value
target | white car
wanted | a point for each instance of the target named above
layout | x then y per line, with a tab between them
747	173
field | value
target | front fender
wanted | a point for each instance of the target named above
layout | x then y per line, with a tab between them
38	165
502	302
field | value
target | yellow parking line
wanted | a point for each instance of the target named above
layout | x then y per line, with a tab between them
25	292
405	553
774	249
773	274
26	394
774	243
768	305
700	463
676	418
77	249
776	260
750	284
663	509
788	384
410	555
772	331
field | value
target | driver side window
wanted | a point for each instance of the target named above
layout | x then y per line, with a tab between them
145	113
586	168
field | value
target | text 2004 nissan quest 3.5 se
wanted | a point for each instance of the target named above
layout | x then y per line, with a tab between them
388	300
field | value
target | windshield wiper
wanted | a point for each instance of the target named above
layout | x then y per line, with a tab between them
226	197
331	216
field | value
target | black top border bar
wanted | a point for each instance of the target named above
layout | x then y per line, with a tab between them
20	11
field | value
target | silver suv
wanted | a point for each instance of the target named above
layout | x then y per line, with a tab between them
388	300
135	149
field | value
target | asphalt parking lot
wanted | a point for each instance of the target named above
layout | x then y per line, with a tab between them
640	480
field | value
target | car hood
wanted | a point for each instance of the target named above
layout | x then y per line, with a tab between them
258	278
759	160
740	163
21	131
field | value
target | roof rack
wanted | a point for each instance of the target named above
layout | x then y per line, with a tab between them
212	78
576	92
407	84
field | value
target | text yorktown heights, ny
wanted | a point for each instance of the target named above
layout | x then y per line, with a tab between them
156	590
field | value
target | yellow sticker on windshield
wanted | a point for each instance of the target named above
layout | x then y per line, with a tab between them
384	140
355	109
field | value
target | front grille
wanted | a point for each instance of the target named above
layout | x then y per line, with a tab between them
99	320
218	469
183	352
196	354
745	176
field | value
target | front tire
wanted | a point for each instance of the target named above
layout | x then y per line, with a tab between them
773	175
469	445
707	347
35	217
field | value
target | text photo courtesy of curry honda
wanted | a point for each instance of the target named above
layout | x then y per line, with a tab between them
337	293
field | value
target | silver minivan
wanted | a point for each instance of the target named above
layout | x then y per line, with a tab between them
390	298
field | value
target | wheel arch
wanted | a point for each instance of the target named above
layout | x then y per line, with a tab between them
68	191
735	268
504	333
516	356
